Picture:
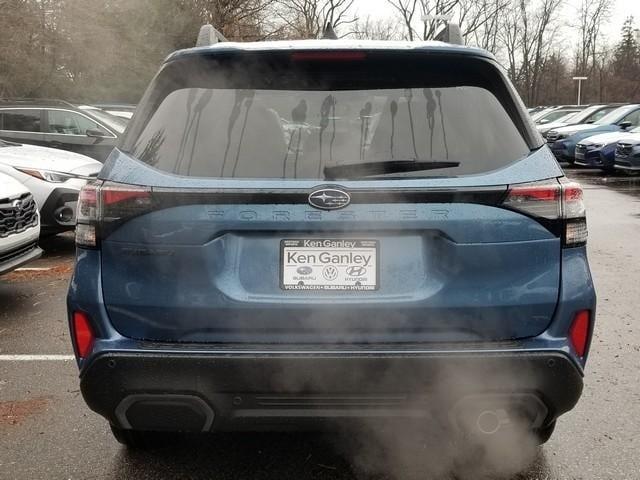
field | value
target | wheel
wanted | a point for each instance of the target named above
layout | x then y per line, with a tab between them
543	434
140	440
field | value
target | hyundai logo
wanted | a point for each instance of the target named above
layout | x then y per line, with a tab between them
304	270
16	204
356	271
329	199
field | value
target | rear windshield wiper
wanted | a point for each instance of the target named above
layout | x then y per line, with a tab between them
381	168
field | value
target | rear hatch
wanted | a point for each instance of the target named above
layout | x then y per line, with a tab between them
324	197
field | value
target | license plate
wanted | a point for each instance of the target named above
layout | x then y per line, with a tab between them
329	264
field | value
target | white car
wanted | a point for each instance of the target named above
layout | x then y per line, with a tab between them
19	225
53	176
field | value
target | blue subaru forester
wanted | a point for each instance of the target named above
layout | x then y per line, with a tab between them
296	234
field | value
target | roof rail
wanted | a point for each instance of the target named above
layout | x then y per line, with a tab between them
451	33
208	35
50	101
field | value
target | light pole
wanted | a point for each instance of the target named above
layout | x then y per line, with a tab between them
579	80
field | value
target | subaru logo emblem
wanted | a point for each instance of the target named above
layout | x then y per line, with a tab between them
304	270
329	199
16	204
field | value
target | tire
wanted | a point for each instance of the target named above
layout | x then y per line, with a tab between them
543	434
142	440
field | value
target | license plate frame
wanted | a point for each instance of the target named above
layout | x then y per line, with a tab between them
329	264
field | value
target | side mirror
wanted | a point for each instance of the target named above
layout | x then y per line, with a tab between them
93	133
625	125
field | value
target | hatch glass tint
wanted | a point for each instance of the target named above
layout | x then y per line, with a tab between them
282	116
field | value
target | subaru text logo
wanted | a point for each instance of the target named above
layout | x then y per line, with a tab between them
329	199
16	204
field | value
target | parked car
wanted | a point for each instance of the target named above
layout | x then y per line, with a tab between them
59	124
563	140
231	275
543	111
53	176
599	151
122	110
627	156
557	114
19	225
591	114
533	110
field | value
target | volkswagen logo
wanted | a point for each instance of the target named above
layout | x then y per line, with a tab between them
16	204
304	270
329	199
330	273
356	271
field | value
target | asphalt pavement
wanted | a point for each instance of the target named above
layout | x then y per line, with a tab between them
47	432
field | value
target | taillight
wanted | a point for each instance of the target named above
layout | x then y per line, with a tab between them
82	334
101	206
552	200
579	332
87	215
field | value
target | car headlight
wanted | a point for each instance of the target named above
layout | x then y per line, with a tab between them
48	175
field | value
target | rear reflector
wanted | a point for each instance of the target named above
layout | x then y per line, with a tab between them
579	332
82	334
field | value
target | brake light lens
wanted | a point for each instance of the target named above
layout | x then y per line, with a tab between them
553	200
82	334
579	332
542	200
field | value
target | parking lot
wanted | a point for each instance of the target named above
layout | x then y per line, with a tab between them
46	430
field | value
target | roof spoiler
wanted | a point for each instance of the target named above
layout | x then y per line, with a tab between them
208	35
451	33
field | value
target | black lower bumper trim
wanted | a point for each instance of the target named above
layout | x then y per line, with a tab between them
268	389
14	259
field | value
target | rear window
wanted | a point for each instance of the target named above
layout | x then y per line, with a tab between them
284	117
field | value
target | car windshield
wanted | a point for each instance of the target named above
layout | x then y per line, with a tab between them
296	128
615	115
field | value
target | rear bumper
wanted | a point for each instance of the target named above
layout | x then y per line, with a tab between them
239	390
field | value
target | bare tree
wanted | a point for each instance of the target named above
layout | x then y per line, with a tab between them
407	10
481	20
592	14
381	29
308	18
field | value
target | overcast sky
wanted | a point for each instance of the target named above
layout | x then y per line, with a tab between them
622	9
